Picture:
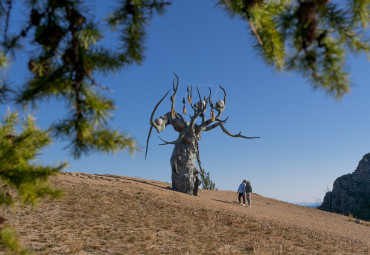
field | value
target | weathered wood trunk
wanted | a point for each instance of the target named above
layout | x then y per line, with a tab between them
184	170
186	151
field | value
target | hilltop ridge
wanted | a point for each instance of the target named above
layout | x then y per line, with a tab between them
107	214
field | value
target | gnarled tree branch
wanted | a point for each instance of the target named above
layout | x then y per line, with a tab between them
175	87
235	135
152	122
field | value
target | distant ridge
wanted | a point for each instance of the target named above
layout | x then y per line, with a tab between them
307	204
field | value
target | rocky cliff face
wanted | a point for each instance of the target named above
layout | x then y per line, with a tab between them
351	192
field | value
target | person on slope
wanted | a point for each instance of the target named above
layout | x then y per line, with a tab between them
241	191
248	190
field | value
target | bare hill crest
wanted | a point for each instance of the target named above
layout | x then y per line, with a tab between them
106	214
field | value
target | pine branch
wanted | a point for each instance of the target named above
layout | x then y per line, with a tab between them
294	36
9	241
255	32
131	18
9	8
18	150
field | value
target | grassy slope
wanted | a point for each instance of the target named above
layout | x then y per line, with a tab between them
121	215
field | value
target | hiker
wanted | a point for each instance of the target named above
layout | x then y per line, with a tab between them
241	191
248	190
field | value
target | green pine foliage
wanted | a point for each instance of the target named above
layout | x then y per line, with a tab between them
69	54
312	37
206	180
20	177
4	88
130	18
66	56
9	242
20	143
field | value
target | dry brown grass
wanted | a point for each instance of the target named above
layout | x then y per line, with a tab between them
121	215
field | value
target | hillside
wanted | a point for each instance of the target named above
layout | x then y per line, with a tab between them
106	214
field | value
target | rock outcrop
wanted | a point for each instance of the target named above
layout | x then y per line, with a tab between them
351	192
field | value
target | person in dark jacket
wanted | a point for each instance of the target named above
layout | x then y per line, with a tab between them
241	191
248	190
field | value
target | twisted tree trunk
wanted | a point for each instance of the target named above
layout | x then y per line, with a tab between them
186	151
184	170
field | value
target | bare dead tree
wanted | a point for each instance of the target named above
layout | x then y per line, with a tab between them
186	150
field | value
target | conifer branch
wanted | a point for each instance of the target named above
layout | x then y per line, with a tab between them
255	32
9	5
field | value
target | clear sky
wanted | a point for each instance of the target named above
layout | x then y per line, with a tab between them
308	139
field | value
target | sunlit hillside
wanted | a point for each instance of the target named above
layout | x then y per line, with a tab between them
101	214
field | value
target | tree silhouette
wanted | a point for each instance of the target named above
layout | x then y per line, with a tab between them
186	146
206	180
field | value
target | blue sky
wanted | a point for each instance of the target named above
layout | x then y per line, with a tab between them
308	139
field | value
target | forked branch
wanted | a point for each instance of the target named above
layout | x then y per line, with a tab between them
173	97
147	140
181	136
179	123
152	122
234	135
155	108
224	94
208	128
190	97
205	127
